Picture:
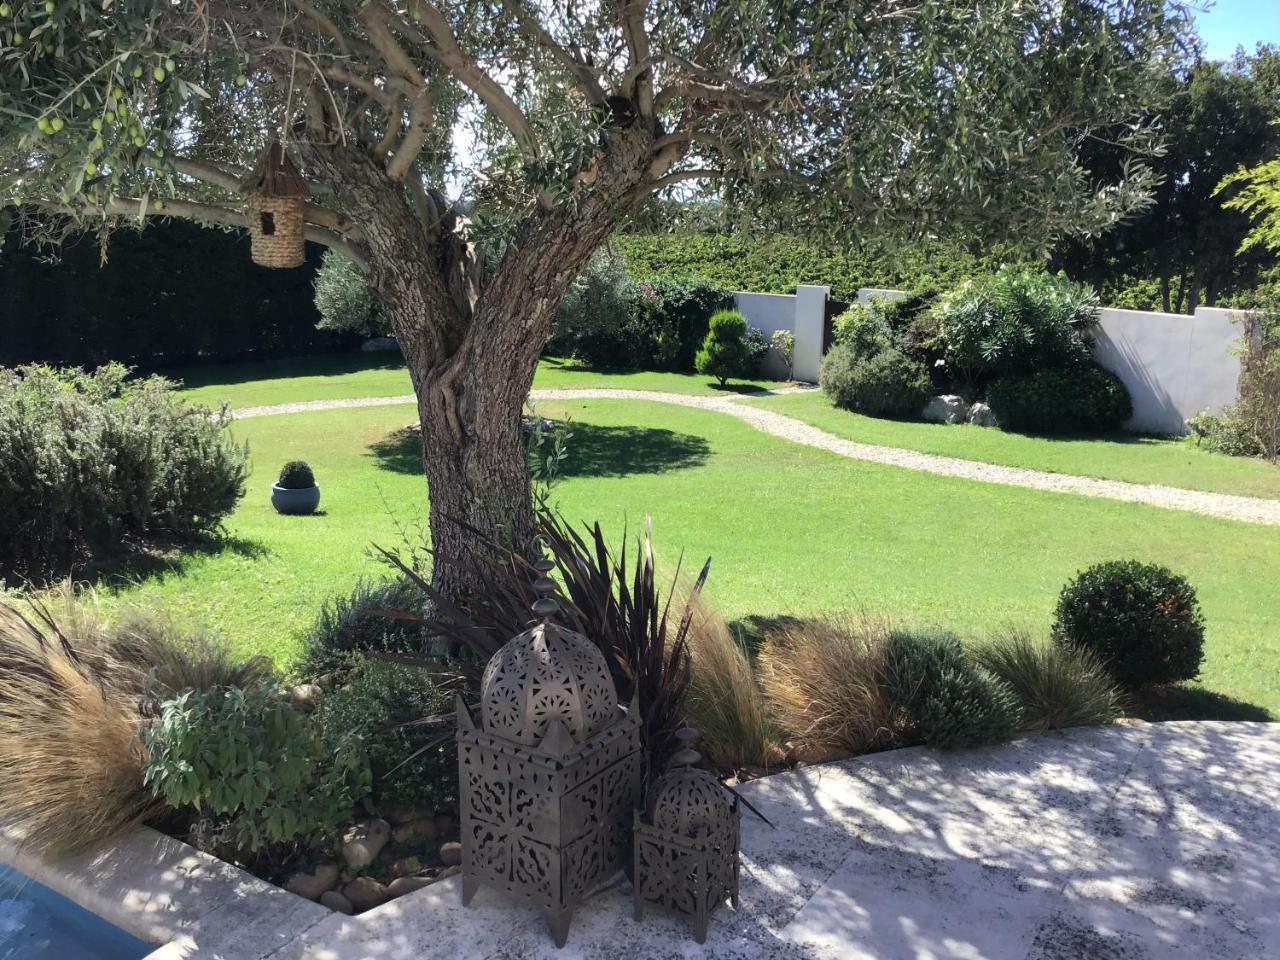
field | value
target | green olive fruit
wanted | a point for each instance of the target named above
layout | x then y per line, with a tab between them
138	141
159	74
157	204
241	80
57	123
50	6
98	143
111	116
44	125
170	65
5	9
96	123
90	168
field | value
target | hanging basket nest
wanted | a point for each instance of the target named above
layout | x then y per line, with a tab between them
276	207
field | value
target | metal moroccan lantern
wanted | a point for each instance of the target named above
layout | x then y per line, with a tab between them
549	771
277	210
686	850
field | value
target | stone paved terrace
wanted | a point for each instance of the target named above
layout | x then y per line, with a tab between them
1136	842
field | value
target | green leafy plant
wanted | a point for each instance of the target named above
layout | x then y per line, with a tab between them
824	680
951	701
399	713
863	330
784	346
359	623
262	772
888	384
1057	685
724	352
1142	621
1018	321
1084	398
92	463
343	299
296	475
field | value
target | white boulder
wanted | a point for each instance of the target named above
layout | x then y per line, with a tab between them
947	408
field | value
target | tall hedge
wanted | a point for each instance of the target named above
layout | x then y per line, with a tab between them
173	293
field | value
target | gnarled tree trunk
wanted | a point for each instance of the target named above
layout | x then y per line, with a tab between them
472	344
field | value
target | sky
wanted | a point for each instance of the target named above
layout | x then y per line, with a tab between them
1229	23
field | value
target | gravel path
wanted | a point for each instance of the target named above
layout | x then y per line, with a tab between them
1223	505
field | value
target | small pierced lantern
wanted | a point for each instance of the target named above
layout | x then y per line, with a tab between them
277	210
549	771
686	850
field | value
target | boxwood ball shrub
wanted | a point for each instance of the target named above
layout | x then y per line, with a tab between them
91	462
296	475
725	352
1141	619
950	701
1084	398
888	384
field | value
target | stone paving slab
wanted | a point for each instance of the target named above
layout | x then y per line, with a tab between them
1136	842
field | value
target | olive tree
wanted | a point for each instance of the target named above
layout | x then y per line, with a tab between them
555	120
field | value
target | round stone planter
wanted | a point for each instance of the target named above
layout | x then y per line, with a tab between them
295	501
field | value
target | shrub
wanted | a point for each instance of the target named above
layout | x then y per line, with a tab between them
1079	399
1016	322
889	384
725	352
1056	685
1142	620
72	773
344	302
357	624
824	681
386	704
724	701
93	461
296	475
863	330
951	702
261	772
607	319
784	345
1229	434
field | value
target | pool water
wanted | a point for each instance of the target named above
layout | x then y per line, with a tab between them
38	924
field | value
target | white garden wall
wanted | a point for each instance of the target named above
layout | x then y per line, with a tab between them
1173	365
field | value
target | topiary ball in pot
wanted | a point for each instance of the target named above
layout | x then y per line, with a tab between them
296	492
1141	619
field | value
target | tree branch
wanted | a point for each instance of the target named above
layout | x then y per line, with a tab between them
587	79
444	47
641	67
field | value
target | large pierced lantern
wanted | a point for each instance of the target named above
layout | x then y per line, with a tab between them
276	210
549	771
686	849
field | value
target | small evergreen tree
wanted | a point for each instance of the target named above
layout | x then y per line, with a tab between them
724	352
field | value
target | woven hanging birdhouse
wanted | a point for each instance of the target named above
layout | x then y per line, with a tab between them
548	771
277	200
686	847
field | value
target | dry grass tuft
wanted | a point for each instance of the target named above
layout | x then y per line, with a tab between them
724	701
68	740
824	682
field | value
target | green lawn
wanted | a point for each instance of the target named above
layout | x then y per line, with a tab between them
373	375
1174	463
791	530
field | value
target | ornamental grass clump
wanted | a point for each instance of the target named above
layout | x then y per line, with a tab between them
1142	620
724	702
1057	686
72	770
950	701
824	681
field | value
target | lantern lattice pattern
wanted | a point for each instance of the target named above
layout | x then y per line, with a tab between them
547	674
549	779
276	210
686	853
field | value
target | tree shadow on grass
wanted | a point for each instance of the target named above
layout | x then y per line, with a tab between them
1191	702
593	450
156	561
